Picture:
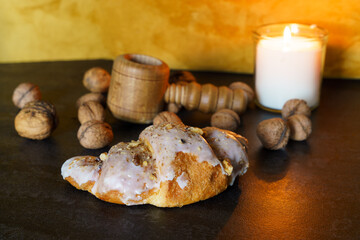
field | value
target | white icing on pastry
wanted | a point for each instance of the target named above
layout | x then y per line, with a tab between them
182	180
125	171
166	141
82	169
226	146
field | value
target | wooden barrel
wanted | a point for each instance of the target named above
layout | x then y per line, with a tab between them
137	88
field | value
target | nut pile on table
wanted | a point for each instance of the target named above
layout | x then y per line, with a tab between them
37	119
275	133
94	132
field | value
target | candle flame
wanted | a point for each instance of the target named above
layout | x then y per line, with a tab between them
287	34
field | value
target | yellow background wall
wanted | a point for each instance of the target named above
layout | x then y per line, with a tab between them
188	34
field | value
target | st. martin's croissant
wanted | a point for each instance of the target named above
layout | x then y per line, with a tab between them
171	165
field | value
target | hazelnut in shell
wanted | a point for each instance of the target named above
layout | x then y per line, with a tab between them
25	93
295	106
249	92
96	97
36	120
300	127
95	134
273	133
225	119
97	80
91	111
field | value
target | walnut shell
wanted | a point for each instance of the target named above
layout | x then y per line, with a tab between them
181	77
36	120
300	127
249	92
25	93
167	117
273	133
225	119
91	111
295	106
173	107
96	97
97	80
95	134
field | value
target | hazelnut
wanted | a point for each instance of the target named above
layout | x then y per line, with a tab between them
181	77
167	117
273	133
249	92
225	119
91	111
97	79
96	97
24	93
295	106
173	107
300	127
36	120
95	134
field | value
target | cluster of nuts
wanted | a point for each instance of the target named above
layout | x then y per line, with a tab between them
37	119
295	125
94	132
228	119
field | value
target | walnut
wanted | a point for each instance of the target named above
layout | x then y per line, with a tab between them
91	111
96	97
95	134
25	93
36	120
97	80
295	106
300	127
173	107
273	133
167	117
249	92
181	77
225	119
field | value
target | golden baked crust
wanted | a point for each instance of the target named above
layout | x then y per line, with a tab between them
170	166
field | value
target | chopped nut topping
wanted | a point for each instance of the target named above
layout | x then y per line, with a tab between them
152	177
133	144
196	130
145	163
103	156
228	168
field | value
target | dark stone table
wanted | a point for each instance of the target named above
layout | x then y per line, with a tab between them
310	190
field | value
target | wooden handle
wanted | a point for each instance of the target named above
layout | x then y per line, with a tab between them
206	98
137	87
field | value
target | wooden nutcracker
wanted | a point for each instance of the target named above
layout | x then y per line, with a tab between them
206	98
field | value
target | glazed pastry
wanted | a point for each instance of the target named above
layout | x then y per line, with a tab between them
171	165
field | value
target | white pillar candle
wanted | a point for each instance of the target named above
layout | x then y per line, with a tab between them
288	67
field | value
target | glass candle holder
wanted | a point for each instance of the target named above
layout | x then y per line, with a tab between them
289	62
